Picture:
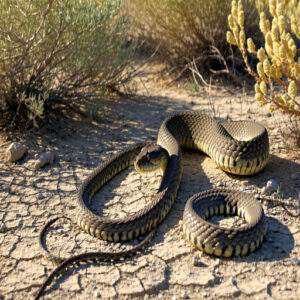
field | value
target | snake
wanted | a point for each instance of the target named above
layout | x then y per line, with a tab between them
237	147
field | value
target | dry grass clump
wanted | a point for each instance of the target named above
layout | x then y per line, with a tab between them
60	50
186	31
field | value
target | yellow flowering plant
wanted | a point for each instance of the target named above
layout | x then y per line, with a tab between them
278	62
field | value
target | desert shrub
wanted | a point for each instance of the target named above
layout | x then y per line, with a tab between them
186	29
60	50
278	61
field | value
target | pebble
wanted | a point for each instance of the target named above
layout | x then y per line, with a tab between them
284	288
14	152
232	280
271	187
205	294
295	261
184	295
97	294
40	196
174	298
60	230
44	159
220	184
268	268
33	229
236	219
3	227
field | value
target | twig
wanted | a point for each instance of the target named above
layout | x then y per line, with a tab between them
280	203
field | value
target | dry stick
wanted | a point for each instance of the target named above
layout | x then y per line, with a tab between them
282	204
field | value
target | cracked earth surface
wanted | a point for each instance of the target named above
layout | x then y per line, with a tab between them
165	269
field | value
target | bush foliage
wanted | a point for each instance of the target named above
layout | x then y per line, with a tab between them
57	49
279	60
185	29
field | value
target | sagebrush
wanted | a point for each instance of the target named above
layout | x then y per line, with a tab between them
186	30
60	50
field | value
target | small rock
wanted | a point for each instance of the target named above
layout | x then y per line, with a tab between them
232	280
268	268
40	196
205	294
44	158
60	230
285	288
174	298
184	295
33	229
269	115
236	219
271	187
196	261
220	184
295	261
2	227
15	151
97	294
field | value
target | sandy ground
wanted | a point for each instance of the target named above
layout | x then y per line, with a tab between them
165	269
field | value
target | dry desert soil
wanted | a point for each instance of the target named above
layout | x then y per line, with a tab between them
169	268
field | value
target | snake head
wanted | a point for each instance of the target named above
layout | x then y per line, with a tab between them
151	158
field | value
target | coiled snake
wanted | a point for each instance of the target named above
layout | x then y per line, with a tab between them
237	147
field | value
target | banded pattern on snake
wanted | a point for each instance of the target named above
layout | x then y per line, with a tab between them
237	147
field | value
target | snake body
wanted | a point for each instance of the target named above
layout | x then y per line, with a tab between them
237	147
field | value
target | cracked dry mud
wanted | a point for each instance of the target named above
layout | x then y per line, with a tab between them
165	269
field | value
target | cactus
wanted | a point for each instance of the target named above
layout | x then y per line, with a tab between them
278	63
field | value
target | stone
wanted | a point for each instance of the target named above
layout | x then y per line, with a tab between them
2	227
40	196
97	294
15	152
271	187
44	159
295	261
184	295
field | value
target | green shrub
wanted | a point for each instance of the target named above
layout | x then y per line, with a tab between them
185	29
60	50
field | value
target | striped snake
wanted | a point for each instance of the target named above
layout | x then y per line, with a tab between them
237	147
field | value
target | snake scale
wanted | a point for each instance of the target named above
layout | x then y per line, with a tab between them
240	147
